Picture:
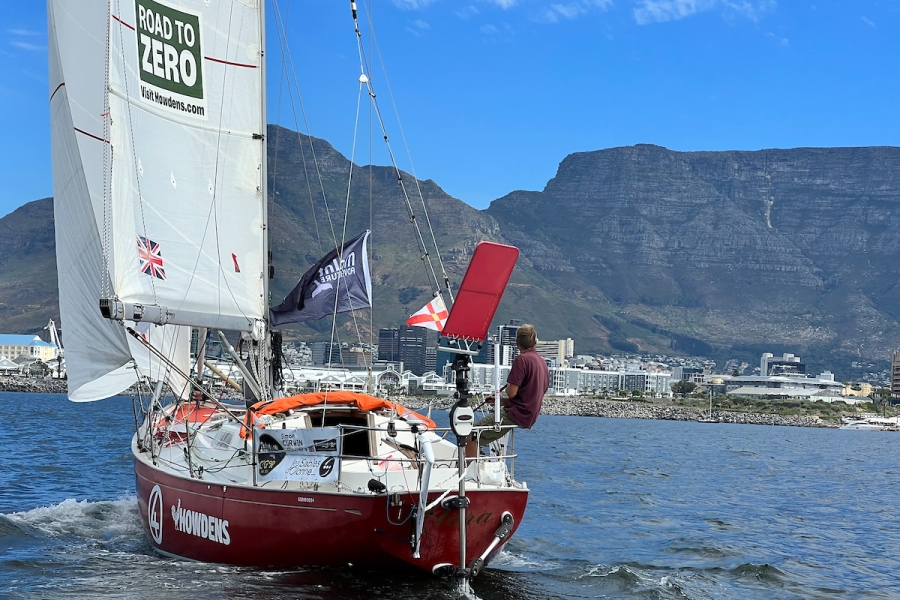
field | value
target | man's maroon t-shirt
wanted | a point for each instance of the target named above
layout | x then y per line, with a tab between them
529	372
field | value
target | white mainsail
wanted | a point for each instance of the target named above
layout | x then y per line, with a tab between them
159	193
187	132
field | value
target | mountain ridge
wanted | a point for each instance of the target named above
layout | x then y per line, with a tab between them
635	247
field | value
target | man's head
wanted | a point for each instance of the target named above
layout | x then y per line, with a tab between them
526	337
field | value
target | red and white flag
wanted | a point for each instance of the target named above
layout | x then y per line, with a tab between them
432	316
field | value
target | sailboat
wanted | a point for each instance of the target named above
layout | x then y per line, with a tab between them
709	418
159	160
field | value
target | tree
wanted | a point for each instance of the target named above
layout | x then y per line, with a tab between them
683	387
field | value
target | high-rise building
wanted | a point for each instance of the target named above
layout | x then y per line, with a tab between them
508	348
430	358
895	373
413	341
555	352
389	344
326	354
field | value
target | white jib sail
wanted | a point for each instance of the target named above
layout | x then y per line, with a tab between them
95	347
187	209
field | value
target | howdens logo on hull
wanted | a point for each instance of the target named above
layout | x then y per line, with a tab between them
170	59
200	524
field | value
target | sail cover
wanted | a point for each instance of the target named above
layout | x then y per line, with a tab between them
186	208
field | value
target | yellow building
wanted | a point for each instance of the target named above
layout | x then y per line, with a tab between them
14	346
864	390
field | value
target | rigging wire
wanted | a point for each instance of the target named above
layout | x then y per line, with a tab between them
344	231
364	69
288	60
370	384
373	41
280	28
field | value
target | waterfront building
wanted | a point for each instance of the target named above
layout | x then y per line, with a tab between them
823	387
565	381
383	381
7	367
32	346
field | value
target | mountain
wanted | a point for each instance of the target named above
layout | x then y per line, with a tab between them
723	254
726	252
28	293
300	233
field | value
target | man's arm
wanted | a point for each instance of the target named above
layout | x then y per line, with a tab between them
511	390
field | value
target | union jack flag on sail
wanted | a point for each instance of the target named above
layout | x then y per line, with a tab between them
151	257
432	316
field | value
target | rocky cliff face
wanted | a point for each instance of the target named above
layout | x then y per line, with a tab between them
794	248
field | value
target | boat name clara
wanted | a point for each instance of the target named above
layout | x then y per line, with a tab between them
201	525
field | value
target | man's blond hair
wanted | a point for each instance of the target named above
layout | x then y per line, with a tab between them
526	337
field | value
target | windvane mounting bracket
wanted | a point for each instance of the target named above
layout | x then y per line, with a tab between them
466	328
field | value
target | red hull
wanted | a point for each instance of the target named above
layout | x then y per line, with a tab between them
280	528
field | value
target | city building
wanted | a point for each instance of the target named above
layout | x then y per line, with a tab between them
895	374
326	353
508	349
864	390
565	381
788	364
13	346
355	357
413	342
692	374
556	353
389	344
823	387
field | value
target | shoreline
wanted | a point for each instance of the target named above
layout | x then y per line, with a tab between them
612	409
555	406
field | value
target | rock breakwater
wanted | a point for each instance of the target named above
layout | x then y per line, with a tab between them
588	407
31	385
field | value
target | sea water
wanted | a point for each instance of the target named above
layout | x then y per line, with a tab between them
618	509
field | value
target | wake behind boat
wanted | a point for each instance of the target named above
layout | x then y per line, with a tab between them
159	156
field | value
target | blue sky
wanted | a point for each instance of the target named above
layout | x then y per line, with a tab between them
493	94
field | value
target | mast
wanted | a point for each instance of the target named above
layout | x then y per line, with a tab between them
268	269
